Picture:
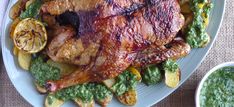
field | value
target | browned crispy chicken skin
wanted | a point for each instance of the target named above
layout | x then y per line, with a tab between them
112	35
174	50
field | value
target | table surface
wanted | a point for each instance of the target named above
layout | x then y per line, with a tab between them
182	97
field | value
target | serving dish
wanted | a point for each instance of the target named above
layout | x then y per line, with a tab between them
198	90
24	85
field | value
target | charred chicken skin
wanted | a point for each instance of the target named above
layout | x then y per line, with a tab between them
112	35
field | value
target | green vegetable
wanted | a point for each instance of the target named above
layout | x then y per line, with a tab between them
99	91
196	32
43	72
124	82
32	11
207	8
151	75
170	65
217	90
74	92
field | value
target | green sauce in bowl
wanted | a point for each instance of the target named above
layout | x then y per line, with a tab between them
218	89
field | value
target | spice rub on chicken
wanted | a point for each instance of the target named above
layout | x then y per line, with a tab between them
111	36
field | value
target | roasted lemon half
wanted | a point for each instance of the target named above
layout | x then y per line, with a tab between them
30	35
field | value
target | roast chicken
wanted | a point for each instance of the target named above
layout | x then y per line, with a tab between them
105	37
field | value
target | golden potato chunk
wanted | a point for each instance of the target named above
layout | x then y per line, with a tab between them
80	103
172	79
51	101
109	83
129	98
40	89
24	60
16	9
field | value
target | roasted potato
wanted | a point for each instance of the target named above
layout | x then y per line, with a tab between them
15	51
51	101
109	83
12	26
40	89
105	102
135	72
24	60
129	98
80	103
16	9
66	69
172	79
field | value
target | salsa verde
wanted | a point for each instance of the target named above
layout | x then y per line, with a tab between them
197	36
170	65
124	82
74	92
218	89
151	75
99	91
42	71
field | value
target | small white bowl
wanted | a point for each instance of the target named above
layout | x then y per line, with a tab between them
197	100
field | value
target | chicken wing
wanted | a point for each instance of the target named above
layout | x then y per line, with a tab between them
174	50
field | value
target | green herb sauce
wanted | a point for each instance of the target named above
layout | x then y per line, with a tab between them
124	82
170	65
85	92
197	36
99	91
218	89
32	11
152	75
75	92
43	72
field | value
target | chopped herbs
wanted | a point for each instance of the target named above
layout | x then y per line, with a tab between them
170	65
217	90
197	36
32	11
75	92
151	75
43	72
124	82
99	91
